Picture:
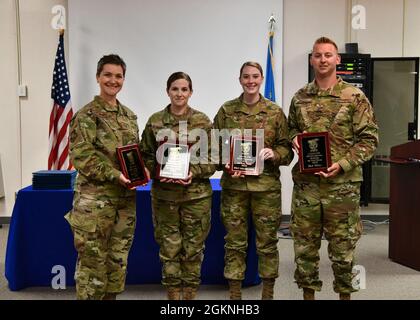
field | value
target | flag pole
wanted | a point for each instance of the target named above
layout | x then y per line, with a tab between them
61	112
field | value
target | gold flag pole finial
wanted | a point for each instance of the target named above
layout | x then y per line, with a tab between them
61	32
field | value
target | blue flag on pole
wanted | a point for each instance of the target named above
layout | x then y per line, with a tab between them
269	91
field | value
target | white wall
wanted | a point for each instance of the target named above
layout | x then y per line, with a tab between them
207	39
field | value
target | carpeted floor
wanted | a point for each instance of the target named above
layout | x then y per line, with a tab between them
384	278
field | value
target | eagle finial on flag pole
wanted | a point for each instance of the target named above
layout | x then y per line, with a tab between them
272	22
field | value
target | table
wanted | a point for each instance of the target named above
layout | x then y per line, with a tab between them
40	238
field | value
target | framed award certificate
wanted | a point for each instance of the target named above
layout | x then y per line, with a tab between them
315	153
244	155
132	165
173	160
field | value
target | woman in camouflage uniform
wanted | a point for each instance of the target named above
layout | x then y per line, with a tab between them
261	194
181	208
104	215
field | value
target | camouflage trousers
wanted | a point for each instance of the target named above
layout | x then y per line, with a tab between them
180	229
331	210
265	208
102	246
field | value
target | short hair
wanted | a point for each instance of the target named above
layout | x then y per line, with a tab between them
110	59
251	64
176	76
325	40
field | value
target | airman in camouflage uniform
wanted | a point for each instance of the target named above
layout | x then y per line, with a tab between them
103	215
181	212
329	203
259	194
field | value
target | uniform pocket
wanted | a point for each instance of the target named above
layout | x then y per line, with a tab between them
84	215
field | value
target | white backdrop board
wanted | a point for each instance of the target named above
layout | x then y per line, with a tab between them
207	39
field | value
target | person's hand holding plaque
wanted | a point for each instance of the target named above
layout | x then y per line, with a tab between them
183	182
234	174
126	182
186	181
332	171
267	154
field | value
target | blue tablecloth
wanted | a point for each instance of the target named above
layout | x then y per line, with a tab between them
40	238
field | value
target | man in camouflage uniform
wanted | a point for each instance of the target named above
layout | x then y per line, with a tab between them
103	215
257	195
181	211
328	202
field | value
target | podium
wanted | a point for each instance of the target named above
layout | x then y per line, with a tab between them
1	181
404	205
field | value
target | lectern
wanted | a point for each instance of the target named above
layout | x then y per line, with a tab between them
1	181
404	205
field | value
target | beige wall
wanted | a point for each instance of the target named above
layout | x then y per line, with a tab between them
412	28
39	45
392	27
9	107
302	24
383	36
411	34
24	121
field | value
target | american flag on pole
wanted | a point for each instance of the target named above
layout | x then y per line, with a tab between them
61	114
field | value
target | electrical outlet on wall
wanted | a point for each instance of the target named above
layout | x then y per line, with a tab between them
22	90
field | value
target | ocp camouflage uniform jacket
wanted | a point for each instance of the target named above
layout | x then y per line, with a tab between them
96	131
163	120
344	112
264	115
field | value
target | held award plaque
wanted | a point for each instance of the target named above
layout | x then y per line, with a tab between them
315	154
132	165
244	155
173	161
